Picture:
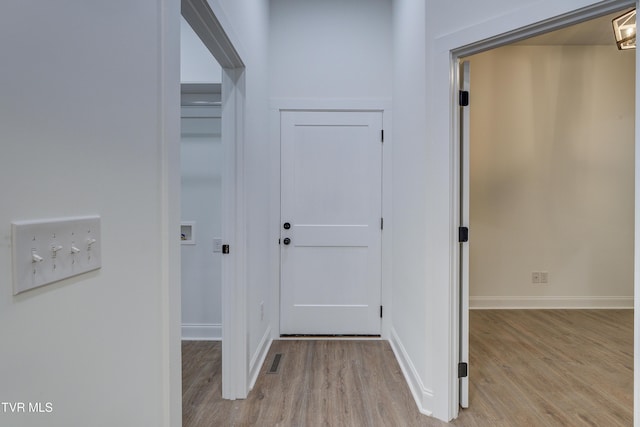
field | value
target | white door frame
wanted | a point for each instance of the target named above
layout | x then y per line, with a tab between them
483	37
463	327
347	104
235	361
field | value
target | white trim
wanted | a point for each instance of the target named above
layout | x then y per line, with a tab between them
275	206
464	132
259	356
548	302
544	16
235	365
205	23
386	263
208	112
422	395
524	22
452	388
331	104
331	338
201	332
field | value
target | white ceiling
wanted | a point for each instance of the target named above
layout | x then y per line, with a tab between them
594	32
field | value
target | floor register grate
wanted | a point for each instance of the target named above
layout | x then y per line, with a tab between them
275	365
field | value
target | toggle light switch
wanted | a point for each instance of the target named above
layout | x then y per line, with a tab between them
35	257
55	249
47	251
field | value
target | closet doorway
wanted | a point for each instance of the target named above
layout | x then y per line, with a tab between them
227	96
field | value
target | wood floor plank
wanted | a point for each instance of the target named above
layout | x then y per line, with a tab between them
563	367
527	368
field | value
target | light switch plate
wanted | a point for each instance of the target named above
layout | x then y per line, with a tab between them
217	245
47	251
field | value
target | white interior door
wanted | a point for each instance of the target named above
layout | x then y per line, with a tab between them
331	222
464	247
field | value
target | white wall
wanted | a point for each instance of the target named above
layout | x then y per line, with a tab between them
411	332
201	158
552	176
79	124
329	55
197	65
330	49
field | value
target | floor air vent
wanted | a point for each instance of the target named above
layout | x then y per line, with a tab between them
275	365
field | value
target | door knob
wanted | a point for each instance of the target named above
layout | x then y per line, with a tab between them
286	241
286	226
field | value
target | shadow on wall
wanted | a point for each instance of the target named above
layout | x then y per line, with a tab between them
552	175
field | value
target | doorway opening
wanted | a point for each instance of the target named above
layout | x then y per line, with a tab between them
546	177
218	108
201	157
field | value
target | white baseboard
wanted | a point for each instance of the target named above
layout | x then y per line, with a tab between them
201	332
422	395
258	357
500	302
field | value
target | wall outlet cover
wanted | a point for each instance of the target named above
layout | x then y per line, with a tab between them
217	245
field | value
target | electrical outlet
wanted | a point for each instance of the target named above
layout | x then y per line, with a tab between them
535	277
544	277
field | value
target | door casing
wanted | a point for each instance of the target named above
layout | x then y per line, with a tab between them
235	361
463	350
465	43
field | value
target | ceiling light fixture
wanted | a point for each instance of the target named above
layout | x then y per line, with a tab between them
624	28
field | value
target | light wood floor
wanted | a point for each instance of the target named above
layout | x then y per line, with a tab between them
527	367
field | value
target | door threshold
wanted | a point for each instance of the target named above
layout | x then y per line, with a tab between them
291	337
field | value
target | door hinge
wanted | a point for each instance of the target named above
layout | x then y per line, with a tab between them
225	249
381	135
381	312
463	98
463	234
463	370
381	223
